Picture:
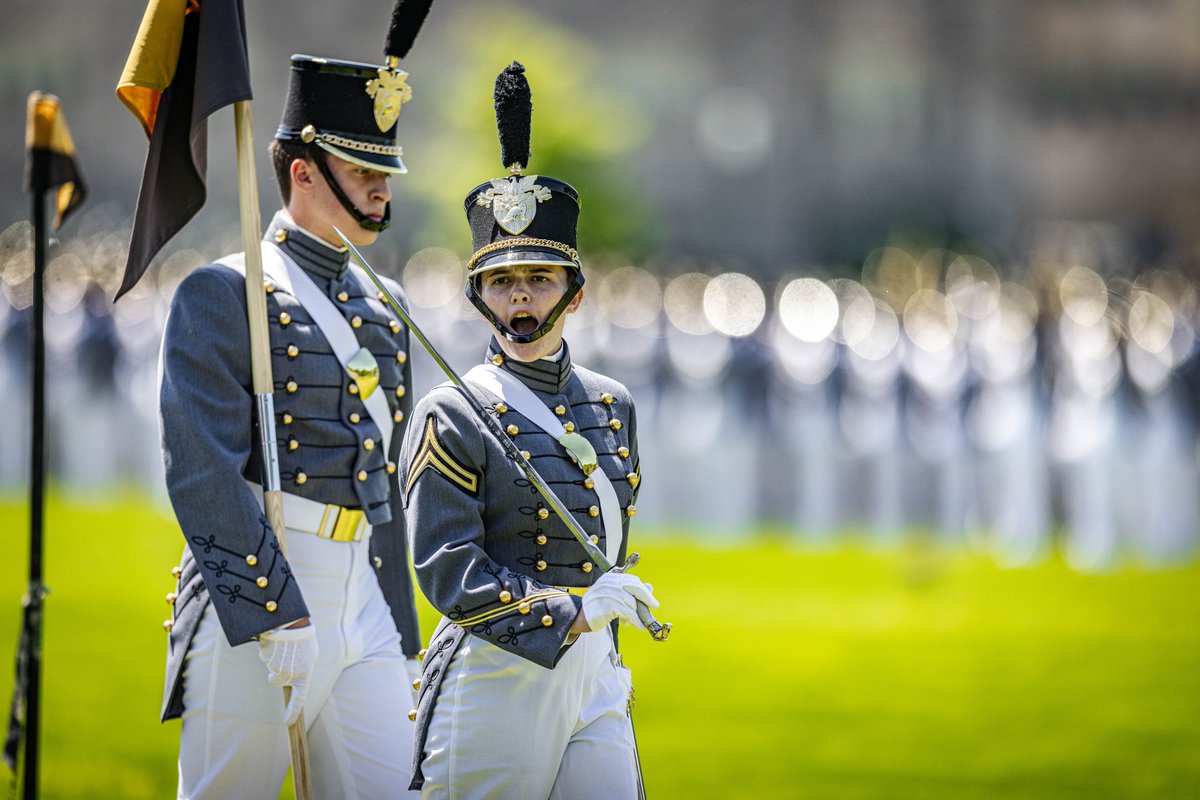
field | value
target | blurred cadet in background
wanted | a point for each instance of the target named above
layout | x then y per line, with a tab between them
527	646
335	619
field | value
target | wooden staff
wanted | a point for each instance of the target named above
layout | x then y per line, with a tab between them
264	390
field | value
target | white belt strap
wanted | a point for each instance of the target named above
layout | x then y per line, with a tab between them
521	398
285	272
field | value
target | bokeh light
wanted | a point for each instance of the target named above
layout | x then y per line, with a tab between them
433	277
734	304
808	309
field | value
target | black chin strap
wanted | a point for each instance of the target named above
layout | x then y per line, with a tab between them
524	338
362	219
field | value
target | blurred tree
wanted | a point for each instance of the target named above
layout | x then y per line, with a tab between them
582	131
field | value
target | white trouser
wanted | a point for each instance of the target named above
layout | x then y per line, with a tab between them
233	743
504	727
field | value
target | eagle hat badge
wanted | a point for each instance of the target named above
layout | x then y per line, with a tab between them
390	91
514	201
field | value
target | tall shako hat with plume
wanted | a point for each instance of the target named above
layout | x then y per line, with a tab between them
521	219
349	109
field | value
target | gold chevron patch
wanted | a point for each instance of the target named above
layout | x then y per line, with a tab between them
433	456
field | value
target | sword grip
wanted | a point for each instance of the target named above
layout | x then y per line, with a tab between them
659	631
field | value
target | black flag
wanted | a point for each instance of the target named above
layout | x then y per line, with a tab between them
186	63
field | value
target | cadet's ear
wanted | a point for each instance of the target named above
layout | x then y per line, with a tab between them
575	301
302	174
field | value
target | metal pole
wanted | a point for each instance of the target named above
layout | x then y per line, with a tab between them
33	599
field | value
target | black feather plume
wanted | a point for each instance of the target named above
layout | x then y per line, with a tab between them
514	109
407	17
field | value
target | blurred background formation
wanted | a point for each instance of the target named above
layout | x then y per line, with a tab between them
892	270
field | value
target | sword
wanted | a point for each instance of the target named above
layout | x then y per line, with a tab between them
658	631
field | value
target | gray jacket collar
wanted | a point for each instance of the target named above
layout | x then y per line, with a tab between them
312	255
543	375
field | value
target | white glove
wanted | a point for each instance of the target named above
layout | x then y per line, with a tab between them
413	665
615	596
290	655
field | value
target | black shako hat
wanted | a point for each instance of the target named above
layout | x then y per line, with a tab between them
346	108
521	219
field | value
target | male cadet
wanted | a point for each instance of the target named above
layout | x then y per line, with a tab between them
324	620
522	693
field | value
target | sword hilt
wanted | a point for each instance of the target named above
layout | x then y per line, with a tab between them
659	631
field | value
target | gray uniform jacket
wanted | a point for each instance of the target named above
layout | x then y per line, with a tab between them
210	442
488	553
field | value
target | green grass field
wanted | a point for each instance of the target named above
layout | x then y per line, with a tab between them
839	673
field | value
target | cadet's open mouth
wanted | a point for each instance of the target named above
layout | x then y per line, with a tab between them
523	322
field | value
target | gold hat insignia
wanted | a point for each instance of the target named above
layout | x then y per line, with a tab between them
390	91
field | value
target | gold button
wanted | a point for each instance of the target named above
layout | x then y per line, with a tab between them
268	287
261	581
293	351
377	561
416	685
547	620
292	386
391	468
588	483
287	418
593	511
401	391
342	296
501	408
398	417
634	479
541	538
308	133
352	388
412	715
524	607
176	571
285	318
382	297
608	399
615	424
525	454
586	566
631	510
281	235
272	606
513	430
356	321
506	596
355	418
540	566
543	513
368	444
623	451
362	475
421	653
401	356
394	325
252	559
167	625
569	426
301	478
560	409
293	445
497	359
170	598
595	539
